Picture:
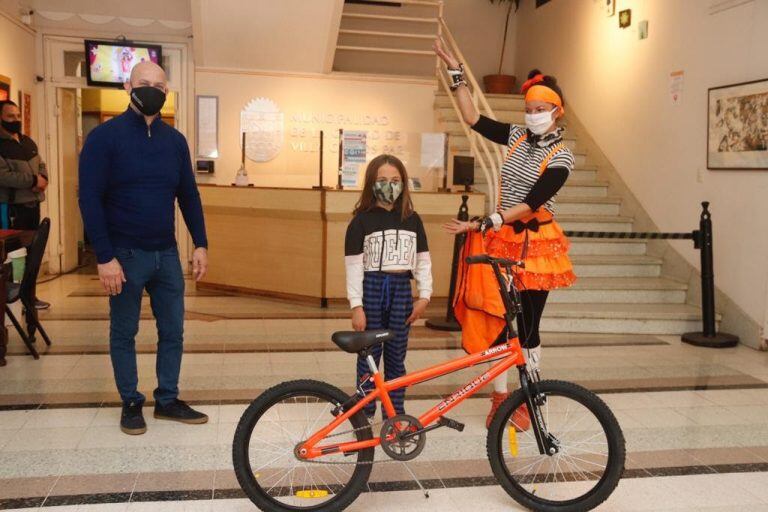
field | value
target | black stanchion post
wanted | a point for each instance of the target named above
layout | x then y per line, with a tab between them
449	323
708	337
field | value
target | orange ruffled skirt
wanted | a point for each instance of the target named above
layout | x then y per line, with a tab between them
477	302
547	265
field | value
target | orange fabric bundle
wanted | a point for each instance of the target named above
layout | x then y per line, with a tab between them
477	303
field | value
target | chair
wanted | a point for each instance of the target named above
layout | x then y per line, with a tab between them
26	290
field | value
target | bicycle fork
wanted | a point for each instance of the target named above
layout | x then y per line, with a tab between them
547	444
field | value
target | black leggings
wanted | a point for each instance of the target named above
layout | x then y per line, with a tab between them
528	320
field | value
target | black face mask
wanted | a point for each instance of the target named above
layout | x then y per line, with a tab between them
12	126
149	100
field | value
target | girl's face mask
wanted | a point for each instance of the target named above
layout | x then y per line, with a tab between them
387	191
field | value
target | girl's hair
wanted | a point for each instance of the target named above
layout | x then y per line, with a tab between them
546	80
367	199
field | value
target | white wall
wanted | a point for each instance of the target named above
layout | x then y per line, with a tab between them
478	26
619	88
406	105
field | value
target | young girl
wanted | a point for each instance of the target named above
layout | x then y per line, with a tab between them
385	246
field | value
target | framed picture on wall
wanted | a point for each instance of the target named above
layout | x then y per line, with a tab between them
26	113
5	88
737	126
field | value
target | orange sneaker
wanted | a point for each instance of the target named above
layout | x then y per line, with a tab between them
521	419
496	400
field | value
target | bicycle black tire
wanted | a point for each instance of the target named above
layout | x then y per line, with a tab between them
248	421
614	436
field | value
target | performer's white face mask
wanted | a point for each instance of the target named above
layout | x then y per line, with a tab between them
540	122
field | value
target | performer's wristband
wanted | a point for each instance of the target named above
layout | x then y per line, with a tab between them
493	221
457	77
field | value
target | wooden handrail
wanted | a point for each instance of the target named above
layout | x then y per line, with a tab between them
479	146
470	137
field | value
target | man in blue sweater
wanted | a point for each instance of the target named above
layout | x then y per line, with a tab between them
133	168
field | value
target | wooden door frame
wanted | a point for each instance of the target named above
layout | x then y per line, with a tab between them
53	48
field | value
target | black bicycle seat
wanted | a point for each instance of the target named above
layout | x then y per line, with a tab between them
357	341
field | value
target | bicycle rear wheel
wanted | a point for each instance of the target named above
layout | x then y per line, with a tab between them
590	450
263	450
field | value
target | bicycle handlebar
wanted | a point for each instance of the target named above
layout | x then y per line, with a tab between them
484	258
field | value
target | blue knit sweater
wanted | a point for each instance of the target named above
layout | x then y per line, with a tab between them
130	177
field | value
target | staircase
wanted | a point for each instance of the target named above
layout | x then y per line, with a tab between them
388	38
621	289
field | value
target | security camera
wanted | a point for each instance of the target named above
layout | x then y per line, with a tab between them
26	16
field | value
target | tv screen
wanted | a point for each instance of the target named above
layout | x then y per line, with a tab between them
109	63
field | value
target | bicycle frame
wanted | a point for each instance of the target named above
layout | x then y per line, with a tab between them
511	355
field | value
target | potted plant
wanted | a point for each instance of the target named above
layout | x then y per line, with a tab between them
500	83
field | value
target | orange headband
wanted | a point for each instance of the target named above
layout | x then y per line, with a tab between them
544	93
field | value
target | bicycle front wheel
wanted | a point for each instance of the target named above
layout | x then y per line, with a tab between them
590	449
263	451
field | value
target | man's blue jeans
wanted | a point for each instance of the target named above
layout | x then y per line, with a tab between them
159	272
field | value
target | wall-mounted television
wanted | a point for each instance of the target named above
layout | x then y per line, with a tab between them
109	63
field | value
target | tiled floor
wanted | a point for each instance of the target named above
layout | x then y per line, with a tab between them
695	420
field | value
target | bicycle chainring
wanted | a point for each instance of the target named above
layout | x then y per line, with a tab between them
393	442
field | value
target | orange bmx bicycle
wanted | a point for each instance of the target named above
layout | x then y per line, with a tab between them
307	445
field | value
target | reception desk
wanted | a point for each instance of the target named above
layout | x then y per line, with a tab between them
290	242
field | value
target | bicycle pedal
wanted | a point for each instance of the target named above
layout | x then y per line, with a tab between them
448	422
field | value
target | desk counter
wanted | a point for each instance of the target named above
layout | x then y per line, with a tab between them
290	242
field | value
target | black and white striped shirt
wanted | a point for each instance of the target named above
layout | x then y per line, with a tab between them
521	170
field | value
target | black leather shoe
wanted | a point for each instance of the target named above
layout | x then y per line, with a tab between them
178	410
132	420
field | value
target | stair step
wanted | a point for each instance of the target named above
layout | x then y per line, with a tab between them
588	205
447	114
376	49
459	142
662	319
571	222
386	63
495	101
601	265
634	290
387	17
379	33
607	247
579	188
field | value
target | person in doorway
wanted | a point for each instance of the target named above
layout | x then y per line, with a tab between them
385	246
133	168
536	166
23	176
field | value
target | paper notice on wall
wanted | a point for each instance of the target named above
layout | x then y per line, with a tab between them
433	150
349	173
353	155
676	87
353	144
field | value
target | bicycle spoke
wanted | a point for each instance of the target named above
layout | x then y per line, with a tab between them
285	479
582	452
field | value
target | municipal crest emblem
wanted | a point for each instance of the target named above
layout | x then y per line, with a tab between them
263	124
